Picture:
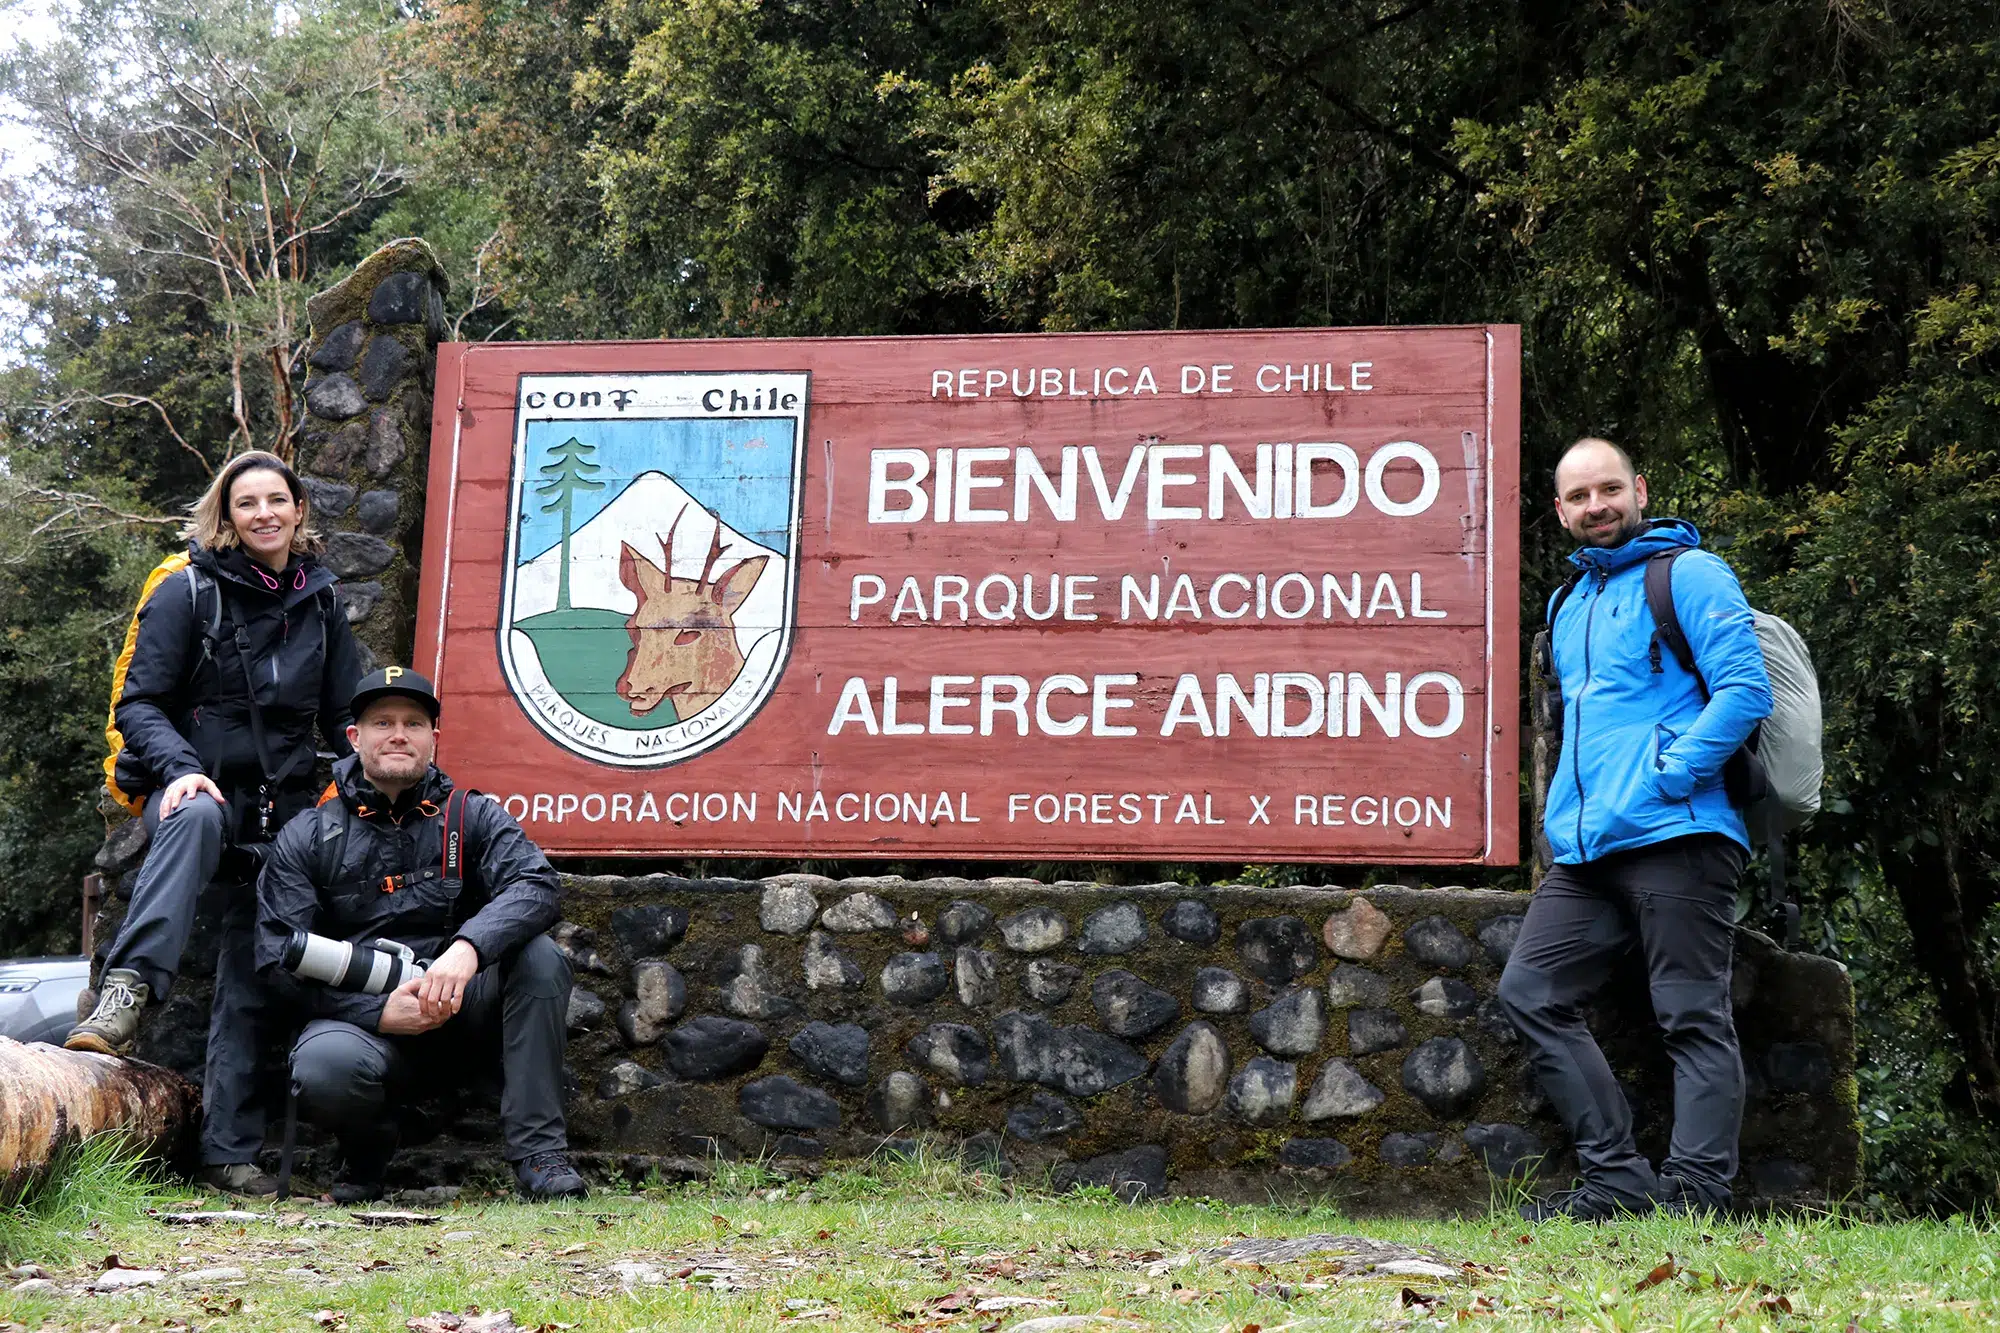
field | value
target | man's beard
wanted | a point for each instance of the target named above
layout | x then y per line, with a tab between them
394	770
1614	537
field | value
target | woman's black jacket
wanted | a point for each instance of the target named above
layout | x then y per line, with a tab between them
182	712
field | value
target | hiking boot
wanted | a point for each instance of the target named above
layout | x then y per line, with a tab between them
239	1178
114	1024
1580	1205
548	1175
1680	1199
365	1175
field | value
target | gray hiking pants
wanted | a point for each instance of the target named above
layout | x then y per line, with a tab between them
1676	901
346	1075
181	859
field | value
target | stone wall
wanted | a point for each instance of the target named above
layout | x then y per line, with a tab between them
1229	1041
1225	1041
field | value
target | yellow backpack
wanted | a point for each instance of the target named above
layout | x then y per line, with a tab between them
196	582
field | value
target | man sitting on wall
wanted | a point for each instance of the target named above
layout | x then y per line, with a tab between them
395	853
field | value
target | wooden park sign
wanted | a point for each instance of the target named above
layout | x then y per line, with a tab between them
1206	596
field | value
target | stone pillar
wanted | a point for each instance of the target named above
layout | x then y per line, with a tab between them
365	449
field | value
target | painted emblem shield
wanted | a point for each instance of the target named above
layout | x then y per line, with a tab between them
651	575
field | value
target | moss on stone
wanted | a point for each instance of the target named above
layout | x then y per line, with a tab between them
348	299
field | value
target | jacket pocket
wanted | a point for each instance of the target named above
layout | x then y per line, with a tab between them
1663	738
428	906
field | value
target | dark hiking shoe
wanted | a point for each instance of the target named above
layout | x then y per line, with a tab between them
239	1178
1680	1199
365	1175
1580	1205
114	1024
548	1175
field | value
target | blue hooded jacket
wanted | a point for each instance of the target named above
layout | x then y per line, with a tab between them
1642	757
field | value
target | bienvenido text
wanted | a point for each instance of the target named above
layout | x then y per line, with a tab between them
1153	481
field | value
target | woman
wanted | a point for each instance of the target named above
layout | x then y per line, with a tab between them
234	659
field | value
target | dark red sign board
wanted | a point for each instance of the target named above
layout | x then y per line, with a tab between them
1205	596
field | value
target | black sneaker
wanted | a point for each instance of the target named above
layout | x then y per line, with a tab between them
1580	1205
1681	1199
365	1176
548	1175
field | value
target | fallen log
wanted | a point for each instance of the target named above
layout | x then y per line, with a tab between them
52	1099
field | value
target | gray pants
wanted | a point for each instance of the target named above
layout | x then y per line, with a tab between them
346	1075
181	859
1677	901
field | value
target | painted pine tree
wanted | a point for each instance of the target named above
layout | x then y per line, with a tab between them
568	471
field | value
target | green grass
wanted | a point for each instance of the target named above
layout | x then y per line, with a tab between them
880	1246
95	1186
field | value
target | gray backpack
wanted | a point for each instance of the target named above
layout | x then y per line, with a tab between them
1776	776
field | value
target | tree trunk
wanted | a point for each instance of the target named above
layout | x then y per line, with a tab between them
1927	884
51	1099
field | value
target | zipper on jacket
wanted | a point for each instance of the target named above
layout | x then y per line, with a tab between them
1576	751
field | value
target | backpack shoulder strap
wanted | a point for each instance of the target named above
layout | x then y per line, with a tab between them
200	585
1666	620
1561	597
329	838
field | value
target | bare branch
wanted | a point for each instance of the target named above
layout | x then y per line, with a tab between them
129	400
72	515
478	302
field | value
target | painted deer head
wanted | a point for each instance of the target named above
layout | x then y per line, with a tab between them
683	631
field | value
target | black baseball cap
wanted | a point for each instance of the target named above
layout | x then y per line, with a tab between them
386	681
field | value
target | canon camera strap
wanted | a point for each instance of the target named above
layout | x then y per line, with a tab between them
451	859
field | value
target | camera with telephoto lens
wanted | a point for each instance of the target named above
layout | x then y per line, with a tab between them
369	969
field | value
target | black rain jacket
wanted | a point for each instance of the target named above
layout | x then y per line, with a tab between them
508	895
180	715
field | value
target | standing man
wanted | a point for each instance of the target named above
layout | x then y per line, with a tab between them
393	853
1646	844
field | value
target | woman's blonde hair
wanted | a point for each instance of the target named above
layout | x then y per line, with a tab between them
208	518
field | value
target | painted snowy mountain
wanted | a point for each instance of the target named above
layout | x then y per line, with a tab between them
642	515
581	651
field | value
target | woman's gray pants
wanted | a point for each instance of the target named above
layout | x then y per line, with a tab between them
181	859
346	1075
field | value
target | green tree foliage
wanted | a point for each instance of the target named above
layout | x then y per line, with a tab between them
716	166
70	564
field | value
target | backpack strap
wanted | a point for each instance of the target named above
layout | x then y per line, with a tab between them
330	838
200	584
330	834
1743	774
1562	596
1666	620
